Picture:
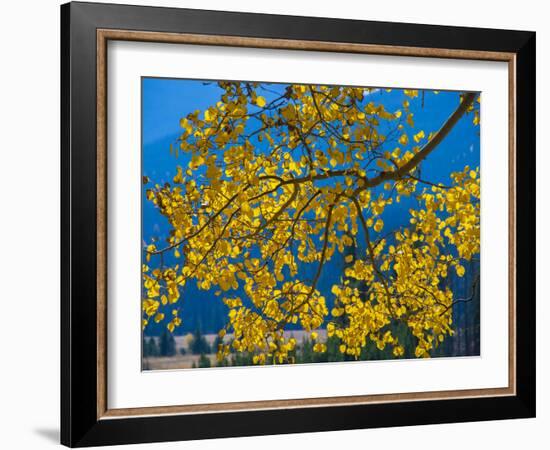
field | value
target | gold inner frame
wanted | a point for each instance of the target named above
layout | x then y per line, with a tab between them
103	36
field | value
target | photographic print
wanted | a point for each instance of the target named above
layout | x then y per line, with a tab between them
300	223
308	211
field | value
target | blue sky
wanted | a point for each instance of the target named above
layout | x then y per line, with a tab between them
166	101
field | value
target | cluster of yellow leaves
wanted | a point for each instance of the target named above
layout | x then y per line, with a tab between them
160	288
406	282
272	185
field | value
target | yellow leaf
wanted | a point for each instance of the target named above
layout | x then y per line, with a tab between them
476	118
398	350
179	176
159	317
185	124
404	139
150	306
319	348
418	136
260	101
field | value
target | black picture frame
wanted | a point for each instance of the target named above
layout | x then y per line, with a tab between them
80	425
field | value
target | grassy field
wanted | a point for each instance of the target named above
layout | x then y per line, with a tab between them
174	362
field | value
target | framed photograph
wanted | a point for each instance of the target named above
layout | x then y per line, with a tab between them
276	224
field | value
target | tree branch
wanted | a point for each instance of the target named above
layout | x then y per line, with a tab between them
464	300
370	249
430	146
